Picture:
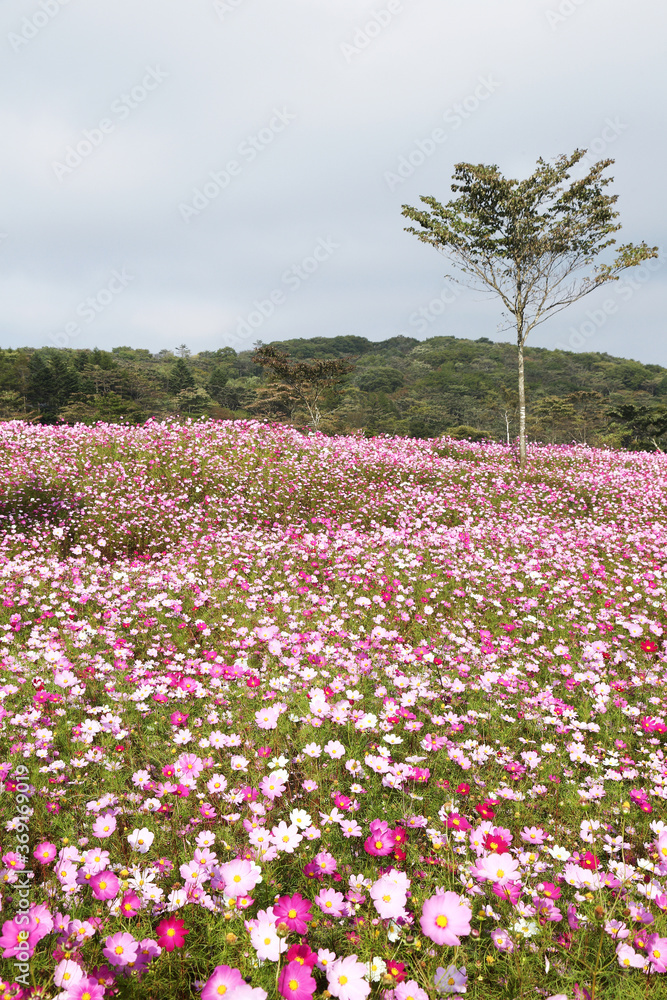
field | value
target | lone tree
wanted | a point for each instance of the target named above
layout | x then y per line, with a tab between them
533	242
301	380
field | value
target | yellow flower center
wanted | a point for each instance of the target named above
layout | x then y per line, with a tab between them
291	914
237	878
387	899
441	920
222	989
293	984
119	949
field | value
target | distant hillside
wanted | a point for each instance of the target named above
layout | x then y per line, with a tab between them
399	386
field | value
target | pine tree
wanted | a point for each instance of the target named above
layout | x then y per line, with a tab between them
180	377
41	387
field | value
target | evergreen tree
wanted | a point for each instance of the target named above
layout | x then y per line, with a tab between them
65	380
217	381
41	387
180	377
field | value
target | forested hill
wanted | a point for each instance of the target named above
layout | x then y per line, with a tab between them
398	386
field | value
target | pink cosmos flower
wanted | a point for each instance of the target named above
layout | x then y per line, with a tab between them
121	949
296	982
628	958
264	937
510	891
444	917
326	863
267	718
346	979
532	835
450	980
294	911
381	840
104	825
130	904
45	852
389	895
500	868
85	989
222	983
410	990
657	953
104	885
40	924
14	941
330	902
271	787
67	973
502	940
240	876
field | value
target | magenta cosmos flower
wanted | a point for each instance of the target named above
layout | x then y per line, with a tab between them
381	841
294	911
130	904
171	933
296	982
444	917
104	885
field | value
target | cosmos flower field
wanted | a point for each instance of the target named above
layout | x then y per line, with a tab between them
294	716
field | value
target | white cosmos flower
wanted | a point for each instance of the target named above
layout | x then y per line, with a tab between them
141	840
376	969
300	818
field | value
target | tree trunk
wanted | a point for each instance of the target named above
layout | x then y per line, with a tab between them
507	428
522	407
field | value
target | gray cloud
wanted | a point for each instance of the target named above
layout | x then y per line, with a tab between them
155	100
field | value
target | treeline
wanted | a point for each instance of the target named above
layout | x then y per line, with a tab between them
398	386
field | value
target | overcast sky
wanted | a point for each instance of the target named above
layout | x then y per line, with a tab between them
220	171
